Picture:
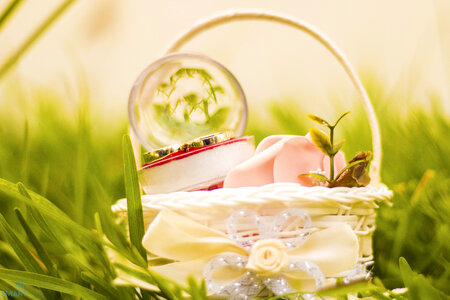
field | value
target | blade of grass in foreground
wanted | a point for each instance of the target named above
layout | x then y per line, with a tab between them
50	210
50	283
135	214
22	252
168	288
418	286
41	252
37	216
29	262
101	285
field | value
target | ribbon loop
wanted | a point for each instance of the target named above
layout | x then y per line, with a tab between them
310	268
248	285
292	226
278	285
247	221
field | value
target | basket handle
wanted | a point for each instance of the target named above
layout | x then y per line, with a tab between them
241	15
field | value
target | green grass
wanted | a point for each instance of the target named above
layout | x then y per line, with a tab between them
72	155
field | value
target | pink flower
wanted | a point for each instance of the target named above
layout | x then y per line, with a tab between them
281	158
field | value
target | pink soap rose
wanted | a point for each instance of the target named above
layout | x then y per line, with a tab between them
281	158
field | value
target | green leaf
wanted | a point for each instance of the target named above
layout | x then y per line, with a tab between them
50	283
319	177
160	108
206	108
191	99
340	118
203	73
218	89
321	141
186	115
163	87
180	72
318	120
41	252
338	146
133	192
219	117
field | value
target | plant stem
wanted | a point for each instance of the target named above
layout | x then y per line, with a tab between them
9	11
332	155
14	58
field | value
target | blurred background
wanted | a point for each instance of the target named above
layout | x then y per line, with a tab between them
404	44
67	67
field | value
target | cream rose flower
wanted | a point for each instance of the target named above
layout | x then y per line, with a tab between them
268	257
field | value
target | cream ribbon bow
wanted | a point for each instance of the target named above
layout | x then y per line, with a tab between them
224	260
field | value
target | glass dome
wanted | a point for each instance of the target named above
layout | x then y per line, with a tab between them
183	96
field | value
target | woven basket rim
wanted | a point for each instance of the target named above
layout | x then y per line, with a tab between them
285	193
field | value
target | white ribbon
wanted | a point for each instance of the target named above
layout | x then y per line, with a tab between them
251	283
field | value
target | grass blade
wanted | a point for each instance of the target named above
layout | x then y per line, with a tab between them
100	285
31	292
22	252
197	291
9	11
26	153
14	58
135	214
25	256
41	252
342	290
128	254
418	286
47	208
37	215
50	283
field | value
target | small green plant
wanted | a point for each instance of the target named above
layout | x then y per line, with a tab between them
193	101
189	104
355	174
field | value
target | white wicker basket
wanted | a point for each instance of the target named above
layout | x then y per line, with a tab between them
325	206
